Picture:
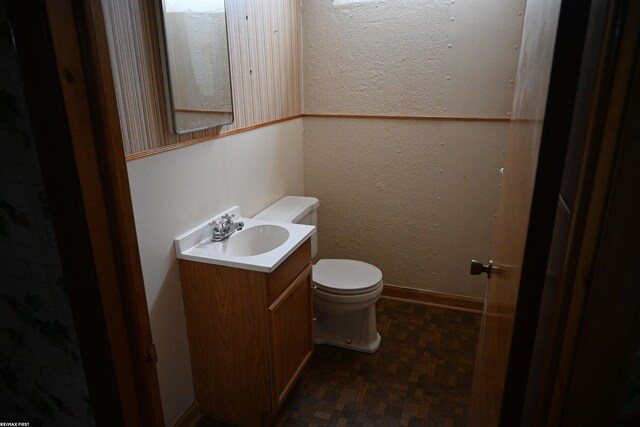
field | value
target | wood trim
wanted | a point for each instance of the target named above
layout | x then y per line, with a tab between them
66	185
417	118
194	141
188	110
74	89
103	104
84	71
190	417
206	138
435	299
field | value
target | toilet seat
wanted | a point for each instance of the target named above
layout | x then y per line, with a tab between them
346	276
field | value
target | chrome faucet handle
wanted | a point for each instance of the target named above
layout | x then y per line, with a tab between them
217	224
217	233
227	220
223	227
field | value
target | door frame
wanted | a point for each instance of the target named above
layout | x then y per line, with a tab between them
597	323
63	53
559	120
585	109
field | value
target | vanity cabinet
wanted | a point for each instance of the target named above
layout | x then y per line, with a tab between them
250	335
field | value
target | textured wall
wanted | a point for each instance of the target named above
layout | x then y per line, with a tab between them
173	192
411	198
413	57
415	197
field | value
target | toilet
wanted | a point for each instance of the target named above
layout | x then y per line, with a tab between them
345	291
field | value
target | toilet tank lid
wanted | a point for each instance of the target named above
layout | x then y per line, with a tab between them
289	209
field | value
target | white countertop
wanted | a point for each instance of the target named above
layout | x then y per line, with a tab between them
196	244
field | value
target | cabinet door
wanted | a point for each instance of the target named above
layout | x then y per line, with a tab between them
290	319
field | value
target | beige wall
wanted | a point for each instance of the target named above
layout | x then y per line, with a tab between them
411	198
415	57
417	198
173	192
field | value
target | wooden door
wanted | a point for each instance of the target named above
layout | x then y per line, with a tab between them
544	102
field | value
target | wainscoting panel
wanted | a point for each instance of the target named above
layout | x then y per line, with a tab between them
265	58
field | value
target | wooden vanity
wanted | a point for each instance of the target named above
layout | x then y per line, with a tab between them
250	335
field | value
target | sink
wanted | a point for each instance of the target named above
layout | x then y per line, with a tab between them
255	240
260	246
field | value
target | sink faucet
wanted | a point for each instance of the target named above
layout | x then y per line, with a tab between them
224	227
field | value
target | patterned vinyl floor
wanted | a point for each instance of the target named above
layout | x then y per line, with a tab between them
421	376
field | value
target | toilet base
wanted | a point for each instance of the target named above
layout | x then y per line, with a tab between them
353	331
371	347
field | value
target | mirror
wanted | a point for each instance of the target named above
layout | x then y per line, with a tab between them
196	63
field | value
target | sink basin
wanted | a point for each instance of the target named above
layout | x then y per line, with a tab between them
260	246
255	240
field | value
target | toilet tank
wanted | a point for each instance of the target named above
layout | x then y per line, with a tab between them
297	209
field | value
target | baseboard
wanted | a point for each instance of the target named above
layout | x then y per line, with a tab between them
437	299
190	417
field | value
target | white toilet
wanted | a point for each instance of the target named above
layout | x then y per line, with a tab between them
345	290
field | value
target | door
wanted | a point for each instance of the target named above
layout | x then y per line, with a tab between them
544	100
291	335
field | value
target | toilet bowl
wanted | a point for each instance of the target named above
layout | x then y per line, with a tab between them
344	304
345	291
